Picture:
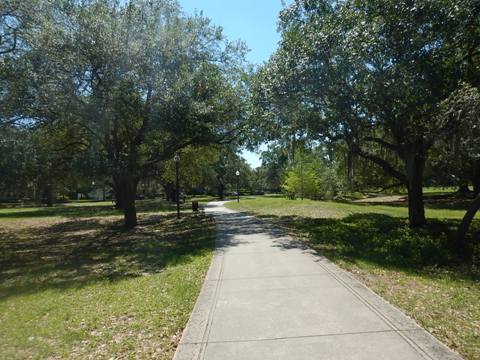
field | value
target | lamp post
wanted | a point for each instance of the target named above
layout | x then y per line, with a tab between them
238	178
177	190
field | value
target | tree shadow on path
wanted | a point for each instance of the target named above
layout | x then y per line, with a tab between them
385	241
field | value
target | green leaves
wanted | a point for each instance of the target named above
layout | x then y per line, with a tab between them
369	75
139	80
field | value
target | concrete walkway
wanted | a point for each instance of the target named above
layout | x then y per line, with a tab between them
268	297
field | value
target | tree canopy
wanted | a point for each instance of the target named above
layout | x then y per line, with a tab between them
137	82
377	94
370	74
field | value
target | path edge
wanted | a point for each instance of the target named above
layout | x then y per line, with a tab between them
194	334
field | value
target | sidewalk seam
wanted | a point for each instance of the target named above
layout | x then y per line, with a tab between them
297	337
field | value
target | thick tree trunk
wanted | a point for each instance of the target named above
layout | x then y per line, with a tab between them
48	196
467	220
117	193
126	190
415	163
130	211
221	191
170	192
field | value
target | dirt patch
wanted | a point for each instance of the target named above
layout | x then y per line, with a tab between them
383	199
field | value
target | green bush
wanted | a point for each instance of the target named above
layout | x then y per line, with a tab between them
300	182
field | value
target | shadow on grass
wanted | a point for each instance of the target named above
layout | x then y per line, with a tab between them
83	210
385	241
79	252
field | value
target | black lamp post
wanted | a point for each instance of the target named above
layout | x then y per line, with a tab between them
177	190
238	178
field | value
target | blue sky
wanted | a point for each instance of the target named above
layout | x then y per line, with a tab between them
253	21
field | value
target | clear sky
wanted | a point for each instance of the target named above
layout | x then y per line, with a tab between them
253	21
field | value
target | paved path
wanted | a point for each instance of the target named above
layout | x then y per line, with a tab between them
267	297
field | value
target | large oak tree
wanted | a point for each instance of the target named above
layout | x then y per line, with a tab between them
371	74
139	80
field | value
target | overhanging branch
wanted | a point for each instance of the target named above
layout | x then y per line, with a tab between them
389	169
381	142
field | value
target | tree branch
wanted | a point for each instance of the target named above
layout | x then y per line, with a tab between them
381	142
389	169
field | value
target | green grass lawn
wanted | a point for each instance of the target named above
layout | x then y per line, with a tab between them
82	209
420	271
75	284
279	206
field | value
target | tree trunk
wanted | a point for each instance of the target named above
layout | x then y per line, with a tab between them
221	191
476	188
126	191
350	169
302	181
467	220
118	194
463	188
476	178
169	192
35	192
48	195
415	163
293	149
130	211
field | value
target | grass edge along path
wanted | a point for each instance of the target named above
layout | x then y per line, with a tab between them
413	270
